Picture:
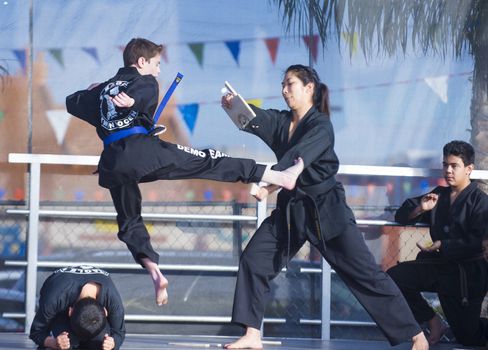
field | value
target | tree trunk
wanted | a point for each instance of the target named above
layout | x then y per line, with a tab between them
479	101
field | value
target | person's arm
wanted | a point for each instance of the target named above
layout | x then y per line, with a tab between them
145	93
416	210
40	332
85	104
115	317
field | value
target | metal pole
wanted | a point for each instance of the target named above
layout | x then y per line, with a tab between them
32	244
326	292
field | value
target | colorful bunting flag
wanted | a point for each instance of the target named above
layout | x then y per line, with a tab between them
59	120
57	55
197	49
272	45
352	40
235	47
312	43
439	86
92	51
21	56
189	112
2	115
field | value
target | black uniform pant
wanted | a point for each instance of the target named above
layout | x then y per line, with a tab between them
127	197
415	277
348	255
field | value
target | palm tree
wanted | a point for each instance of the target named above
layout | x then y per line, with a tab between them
387	26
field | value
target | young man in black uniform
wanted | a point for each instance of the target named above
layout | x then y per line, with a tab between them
79	306
453	265
122	111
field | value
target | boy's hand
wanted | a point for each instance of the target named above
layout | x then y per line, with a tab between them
123	100
62	341
429	201
108	342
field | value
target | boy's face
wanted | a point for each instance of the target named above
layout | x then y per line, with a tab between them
456	173
149	67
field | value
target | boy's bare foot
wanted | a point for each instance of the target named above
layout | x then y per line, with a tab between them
250	340
159	281
160	287
286	178
437	329
419	342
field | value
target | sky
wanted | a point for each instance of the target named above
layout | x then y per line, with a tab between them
385	111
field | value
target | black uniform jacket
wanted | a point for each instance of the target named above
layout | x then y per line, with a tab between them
131	158
62	289
317	204
460	228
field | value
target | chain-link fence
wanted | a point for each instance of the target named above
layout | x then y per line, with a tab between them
196	294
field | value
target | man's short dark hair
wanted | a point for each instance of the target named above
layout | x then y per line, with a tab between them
460	149
88	318
139	47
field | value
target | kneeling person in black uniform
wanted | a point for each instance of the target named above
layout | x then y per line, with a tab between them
453	265
79	308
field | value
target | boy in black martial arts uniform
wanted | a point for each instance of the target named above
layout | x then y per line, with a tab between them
453	265
79	307
122	111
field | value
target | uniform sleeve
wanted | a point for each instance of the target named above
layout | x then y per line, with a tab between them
85	104
40	328
265	124
402	214
115	316
311	146
469	242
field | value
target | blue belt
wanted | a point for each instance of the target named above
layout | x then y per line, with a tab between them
139	129
124	133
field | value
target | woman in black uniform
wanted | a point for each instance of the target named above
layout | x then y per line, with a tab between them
315	210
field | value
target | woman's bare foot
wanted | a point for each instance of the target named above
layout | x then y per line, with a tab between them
250	340
437	329
419	342
286	178
159	281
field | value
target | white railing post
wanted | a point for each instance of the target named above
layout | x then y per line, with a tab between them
32	244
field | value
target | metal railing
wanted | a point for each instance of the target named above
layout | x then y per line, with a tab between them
34	212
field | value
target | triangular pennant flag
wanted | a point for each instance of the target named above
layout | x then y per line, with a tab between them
234	47
2	115
438	85
59	120
92	51
272	45
21	56
197	49
258	102
164	53
352	40
57	55
190	112
312	43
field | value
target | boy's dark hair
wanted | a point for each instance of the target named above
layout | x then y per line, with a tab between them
459	149
88	318
139	47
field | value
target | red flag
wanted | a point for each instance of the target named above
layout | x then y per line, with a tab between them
272	45
312	43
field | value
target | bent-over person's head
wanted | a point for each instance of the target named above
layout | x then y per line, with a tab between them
87	318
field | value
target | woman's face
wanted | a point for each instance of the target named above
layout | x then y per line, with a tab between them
296	94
